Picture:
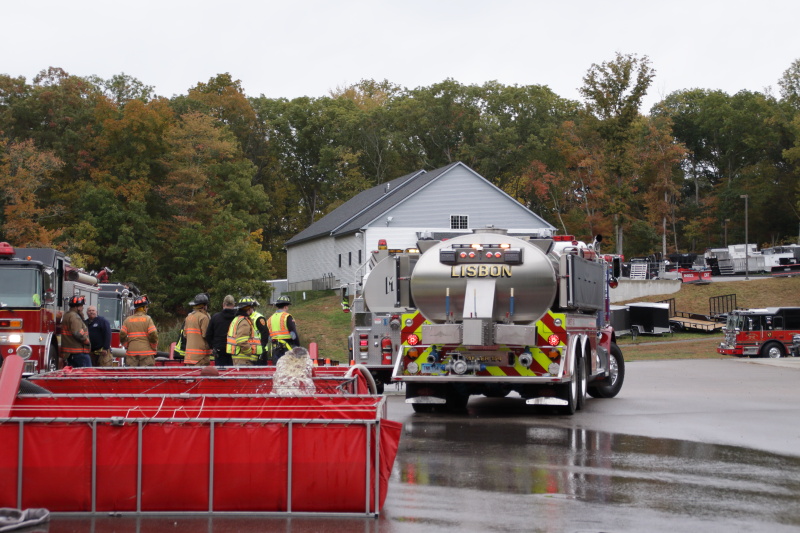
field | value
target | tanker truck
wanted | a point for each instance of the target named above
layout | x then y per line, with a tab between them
489	313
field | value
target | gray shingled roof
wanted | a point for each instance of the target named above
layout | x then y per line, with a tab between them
367	205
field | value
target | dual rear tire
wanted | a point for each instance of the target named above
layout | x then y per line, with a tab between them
574	392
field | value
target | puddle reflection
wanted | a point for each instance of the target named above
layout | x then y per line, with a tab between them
533	458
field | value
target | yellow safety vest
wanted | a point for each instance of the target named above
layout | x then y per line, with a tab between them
278	328
254	316
233	341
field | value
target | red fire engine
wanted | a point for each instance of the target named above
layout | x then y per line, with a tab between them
115	303
35	286
760	332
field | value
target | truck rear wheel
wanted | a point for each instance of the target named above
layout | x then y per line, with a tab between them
610	386
570	391
582	382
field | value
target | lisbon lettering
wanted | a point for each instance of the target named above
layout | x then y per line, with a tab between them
480	271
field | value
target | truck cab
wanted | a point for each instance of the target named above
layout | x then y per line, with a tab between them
35	285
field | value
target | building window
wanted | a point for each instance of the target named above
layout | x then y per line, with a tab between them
359	257
349	258
340	260
459	222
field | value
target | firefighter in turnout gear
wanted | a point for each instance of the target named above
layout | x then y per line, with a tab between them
139	335
261	333
197	351
242	343
74	334
282	329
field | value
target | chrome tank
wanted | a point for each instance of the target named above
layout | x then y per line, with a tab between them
482	287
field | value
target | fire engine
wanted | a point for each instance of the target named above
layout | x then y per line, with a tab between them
35	287
115	303
383	316
489	313
764	332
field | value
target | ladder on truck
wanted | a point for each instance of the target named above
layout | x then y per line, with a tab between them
639	270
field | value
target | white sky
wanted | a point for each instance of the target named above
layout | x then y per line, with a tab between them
298	48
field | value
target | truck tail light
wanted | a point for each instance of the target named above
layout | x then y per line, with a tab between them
363	342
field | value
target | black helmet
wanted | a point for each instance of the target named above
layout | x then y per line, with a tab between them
247	301
200	299
76	301
283	300
141	301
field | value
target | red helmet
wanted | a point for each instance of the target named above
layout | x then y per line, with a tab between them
141	301
75	301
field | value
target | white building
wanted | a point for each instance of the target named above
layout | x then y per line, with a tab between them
445	202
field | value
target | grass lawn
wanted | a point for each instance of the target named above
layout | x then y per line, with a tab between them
678	346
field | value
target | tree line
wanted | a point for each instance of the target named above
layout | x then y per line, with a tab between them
198	192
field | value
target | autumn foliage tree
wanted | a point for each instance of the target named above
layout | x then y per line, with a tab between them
200	191
25	172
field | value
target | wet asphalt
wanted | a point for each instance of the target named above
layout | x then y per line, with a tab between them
688	445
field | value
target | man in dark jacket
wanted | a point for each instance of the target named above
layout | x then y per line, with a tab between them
217	332
100	337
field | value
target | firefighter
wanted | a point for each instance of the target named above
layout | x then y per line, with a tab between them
75	342
262	335
216	334
282	329
139	335
242	344
197	351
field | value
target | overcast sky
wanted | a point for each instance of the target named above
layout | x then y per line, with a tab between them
298	48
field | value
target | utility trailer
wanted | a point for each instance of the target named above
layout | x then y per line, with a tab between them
202	444
683	321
